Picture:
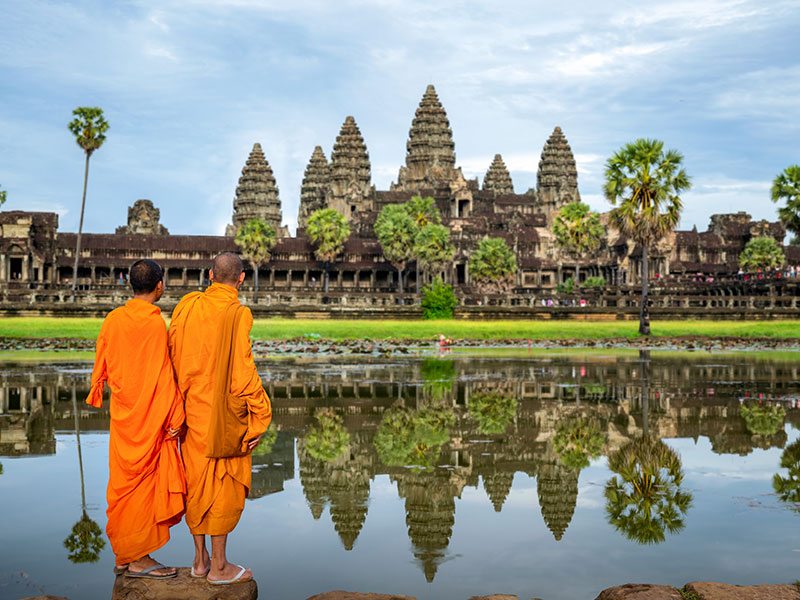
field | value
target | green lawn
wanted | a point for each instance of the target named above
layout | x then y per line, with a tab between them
478	330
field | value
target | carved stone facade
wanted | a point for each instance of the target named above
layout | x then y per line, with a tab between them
257	195
143	219
350	187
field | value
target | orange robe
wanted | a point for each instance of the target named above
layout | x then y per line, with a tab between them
146	485
217	487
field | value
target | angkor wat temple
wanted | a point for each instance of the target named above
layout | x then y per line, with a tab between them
35	255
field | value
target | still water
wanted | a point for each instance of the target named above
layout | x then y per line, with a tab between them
550	475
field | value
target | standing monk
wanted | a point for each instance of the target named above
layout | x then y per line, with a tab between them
146	484
217	487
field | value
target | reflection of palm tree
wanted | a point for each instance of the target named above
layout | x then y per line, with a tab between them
413	438
788	488
493	411
85	541
646	499
328	439
268	440
438	376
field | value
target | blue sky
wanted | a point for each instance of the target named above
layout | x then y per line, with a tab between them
188	86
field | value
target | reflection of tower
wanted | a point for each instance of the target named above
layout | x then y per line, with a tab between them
430	515
497	486
557	487
313	479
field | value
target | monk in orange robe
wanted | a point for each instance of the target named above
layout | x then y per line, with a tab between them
146	485
217	487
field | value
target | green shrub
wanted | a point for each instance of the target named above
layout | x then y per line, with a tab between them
594	282
438	300
566	286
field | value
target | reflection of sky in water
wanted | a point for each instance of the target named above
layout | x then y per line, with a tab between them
736	531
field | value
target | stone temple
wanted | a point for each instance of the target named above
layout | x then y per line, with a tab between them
35	255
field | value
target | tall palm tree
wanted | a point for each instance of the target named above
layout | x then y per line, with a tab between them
578	231
89	128
432	248
423	212
493	265
786	186
647	183
329	230
396	231
256	238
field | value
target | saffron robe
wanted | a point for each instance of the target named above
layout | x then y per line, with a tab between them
146	484
217	487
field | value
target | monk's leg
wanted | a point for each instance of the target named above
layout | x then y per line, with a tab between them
221	569
202	562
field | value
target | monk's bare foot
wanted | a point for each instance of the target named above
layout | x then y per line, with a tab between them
137	566
229	572
201	565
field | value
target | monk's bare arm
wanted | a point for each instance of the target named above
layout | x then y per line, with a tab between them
99	372
176	416
246	382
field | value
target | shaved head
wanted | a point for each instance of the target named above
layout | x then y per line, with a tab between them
227	268
144	276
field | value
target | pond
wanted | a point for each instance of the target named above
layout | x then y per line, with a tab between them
545	474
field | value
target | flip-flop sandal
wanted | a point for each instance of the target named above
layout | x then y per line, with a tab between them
120	570
199	575
148	573
236	579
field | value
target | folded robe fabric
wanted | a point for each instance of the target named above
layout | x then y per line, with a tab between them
217	487
146	486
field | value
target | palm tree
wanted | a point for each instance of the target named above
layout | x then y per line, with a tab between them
761	253
89	128
396	231
578	231
432	248
647	183
328	439
786	186
788	488
577	441
255	239
644	499
329	230
423	212
493	265
2	197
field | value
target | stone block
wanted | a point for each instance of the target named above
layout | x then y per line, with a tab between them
182	587
342	595
640	591
709	590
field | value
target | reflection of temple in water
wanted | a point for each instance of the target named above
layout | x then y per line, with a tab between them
685	399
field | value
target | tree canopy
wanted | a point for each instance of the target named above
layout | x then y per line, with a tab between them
328	230
432	247
493	265
396	232
786	186
256	239
761	253
89	128
577	228
423	211
2	197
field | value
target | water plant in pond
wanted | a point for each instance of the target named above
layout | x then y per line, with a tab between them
644	499
267	441
788	488
438	375
578	441
494	411
328	439
762	419
413	438
85	541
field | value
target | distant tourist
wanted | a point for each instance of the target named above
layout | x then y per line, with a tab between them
146	484
209	341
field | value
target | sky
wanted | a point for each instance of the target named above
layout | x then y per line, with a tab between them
189	85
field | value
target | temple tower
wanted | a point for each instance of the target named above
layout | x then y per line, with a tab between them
256	195
557	179
350	189
315	185
557	487
497	178
430	151
143	219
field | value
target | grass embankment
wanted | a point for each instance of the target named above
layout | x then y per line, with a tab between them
47	327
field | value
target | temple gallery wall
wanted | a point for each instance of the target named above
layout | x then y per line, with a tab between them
35	255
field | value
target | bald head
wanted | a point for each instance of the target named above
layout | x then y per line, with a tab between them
227	268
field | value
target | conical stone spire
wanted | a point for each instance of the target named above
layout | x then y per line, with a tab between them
498	179
557	179
315	185
256	194
497	486
430	151
350	177
557	487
